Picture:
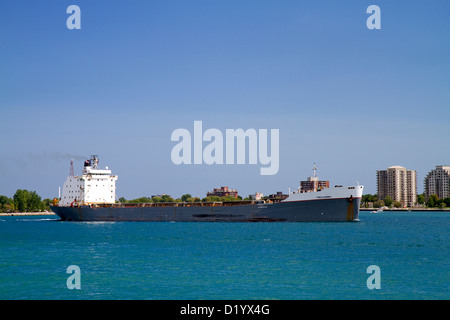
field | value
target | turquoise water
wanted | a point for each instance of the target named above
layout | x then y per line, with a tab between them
157	260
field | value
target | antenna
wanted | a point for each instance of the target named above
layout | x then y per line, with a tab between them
71	173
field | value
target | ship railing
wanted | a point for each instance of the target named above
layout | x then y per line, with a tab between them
183	204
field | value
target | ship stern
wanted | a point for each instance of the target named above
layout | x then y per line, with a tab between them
66	213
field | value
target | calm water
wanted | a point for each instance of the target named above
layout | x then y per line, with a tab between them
156	260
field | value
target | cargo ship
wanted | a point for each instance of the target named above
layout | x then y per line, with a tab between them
91	197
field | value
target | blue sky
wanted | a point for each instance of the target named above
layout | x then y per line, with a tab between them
350	99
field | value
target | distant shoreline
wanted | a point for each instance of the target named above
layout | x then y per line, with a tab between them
43	213
406	209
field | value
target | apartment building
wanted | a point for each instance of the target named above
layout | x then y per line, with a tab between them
223	192
398	183
437	182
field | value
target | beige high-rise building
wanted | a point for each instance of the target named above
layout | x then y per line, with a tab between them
398	183
437	182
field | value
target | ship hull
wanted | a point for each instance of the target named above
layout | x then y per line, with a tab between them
326	210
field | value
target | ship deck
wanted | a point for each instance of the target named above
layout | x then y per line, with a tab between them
180	204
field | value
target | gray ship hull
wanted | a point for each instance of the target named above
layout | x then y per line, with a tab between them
327	210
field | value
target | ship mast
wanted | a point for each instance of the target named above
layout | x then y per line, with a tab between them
94	161
71	172
314	169
90	164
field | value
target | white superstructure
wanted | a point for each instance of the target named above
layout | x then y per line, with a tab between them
337	192
318	191
94	186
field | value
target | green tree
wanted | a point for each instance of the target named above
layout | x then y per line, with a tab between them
27	201
397	204
35	204
195	199
4	200
185	197
21	199
229	198
388	201
167	198
122	200
212	199
156	199
440	203
46	203
377	204
141	200
5	203
432	201
369	198
447	202
421	199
